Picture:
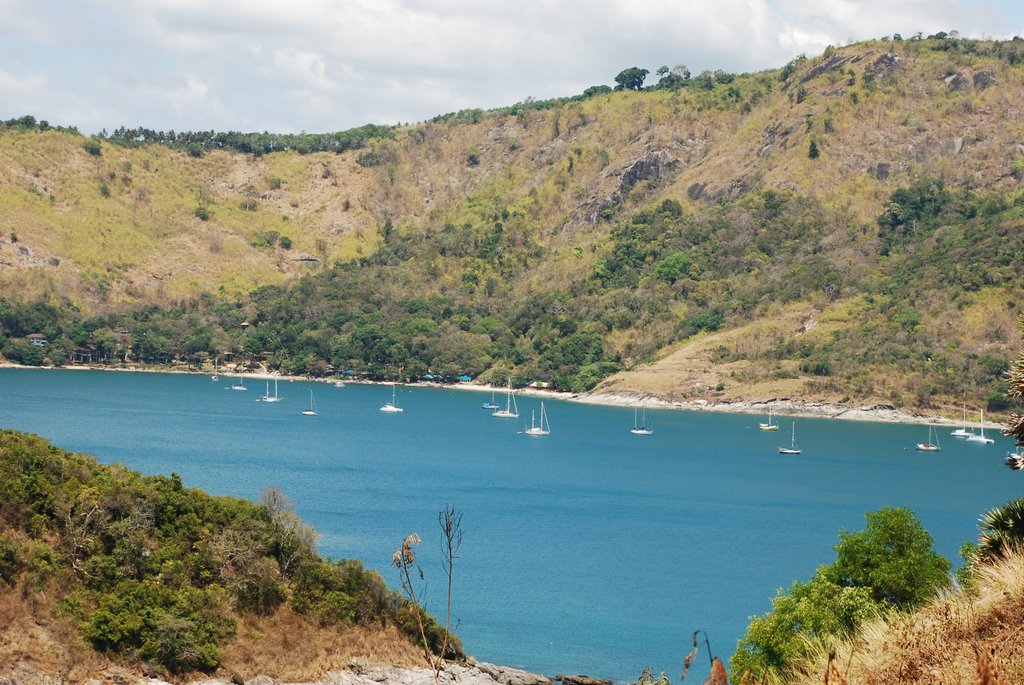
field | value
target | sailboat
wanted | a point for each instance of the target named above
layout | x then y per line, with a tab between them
963	432
772	424
511	411
641	428
392	406
539	430
240	385
792	449
312	406
267	397
489	405
933	442
980	437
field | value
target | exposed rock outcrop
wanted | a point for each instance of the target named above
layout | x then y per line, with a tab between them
833	63
984	79
651	167
884	65
955	81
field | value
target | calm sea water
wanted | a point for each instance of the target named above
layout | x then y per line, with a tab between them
590	551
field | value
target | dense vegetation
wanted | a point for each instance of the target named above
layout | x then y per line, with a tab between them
198	142
155	573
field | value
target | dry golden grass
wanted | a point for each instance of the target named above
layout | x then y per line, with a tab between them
975	636
30	636
290	649
688	372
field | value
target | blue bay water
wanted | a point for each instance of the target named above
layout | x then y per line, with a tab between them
590	551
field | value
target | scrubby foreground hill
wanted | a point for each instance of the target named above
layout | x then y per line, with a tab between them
101	565
847	228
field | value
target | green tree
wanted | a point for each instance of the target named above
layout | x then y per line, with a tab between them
631	79
893	557
812	150
673	267
809	611
888	565
912	212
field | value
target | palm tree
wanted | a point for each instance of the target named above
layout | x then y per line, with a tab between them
1002	529
1015	427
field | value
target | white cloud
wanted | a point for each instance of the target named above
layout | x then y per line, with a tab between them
190	99
14	87
303	66
23	92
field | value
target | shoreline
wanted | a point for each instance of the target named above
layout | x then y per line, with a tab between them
788	407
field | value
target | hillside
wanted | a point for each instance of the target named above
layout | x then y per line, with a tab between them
845	229
100	565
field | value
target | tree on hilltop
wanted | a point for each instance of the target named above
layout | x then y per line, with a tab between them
631	79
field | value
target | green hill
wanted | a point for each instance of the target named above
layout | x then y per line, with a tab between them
99	560
846	228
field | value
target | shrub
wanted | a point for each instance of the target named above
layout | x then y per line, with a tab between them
10	561
92	147
675	266
704	321
369	159
175	629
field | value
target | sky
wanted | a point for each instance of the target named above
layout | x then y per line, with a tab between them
330	65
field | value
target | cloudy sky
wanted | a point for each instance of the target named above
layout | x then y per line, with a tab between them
328	65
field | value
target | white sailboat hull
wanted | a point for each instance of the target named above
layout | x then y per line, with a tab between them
511	411
543	429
